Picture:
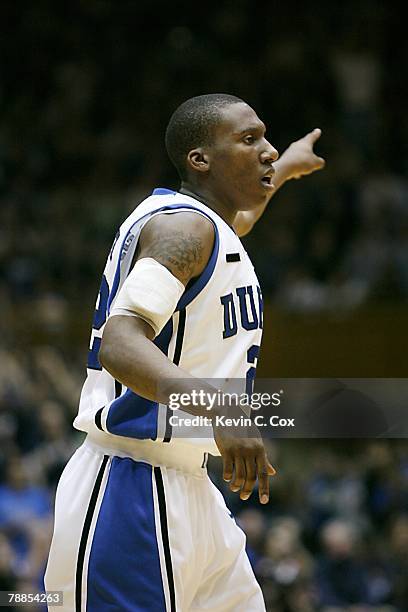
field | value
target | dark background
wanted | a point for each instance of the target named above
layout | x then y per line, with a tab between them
86	90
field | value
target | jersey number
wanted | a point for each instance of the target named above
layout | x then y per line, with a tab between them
252	356
100	316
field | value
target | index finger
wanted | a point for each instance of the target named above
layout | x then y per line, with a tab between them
314	135
228	467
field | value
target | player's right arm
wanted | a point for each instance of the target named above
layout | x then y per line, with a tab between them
182	243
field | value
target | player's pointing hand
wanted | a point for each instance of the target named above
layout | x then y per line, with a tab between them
299	158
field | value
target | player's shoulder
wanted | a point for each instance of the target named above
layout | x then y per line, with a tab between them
185	222
183	242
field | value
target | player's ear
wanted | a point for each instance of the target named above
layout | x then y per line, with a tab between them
198	160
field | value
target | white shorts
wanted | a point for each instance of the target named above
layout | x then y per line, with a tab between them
130	536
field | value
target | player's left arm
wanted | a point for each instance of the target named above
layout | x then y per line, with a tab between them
298	160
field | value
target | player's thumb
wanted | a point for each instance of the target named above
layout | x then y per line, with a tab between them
320	162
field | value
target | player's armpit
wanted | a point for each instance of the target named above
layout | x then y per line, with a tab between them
182	242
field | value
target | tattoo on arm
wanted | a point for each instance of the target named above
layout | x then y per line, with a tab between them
178	251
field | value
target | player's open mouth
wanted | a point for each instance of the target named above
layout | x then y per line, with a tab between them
267	182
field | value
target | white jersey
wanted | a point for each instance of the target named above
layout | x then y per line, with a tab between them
214	333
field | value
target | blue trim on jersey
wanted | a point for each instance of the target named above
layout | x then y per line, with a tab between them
124	565
163	191
190	294
133	416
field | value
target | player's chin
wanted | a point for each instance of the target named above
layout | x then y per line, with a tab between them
250	199
261	196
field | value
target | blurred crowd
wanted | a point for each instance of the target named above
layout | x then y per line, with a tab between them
335	534
86	90
38	399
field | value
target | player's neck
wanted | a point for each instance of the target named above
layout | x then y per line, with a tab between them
206	197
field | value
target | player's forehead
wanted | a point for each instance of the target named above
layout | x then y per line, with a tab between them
239	118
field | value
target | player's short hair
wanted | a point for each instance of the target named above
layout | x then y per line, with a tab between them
192	125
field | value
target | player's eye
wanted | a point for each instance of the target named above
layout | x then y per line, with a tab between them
249	139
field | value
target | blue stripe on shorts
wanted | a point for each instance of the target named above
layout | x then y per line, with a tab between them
124	566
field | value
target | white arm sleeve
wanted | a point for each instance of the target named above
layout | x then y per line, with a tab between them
151	292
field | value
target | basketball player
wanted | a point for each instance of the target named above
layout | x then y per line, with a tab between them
138	524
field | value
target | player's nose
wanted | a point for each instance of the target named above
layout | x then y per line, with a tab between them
269	154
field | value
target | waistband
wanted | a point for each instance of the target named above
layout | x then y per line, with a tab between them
178	456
